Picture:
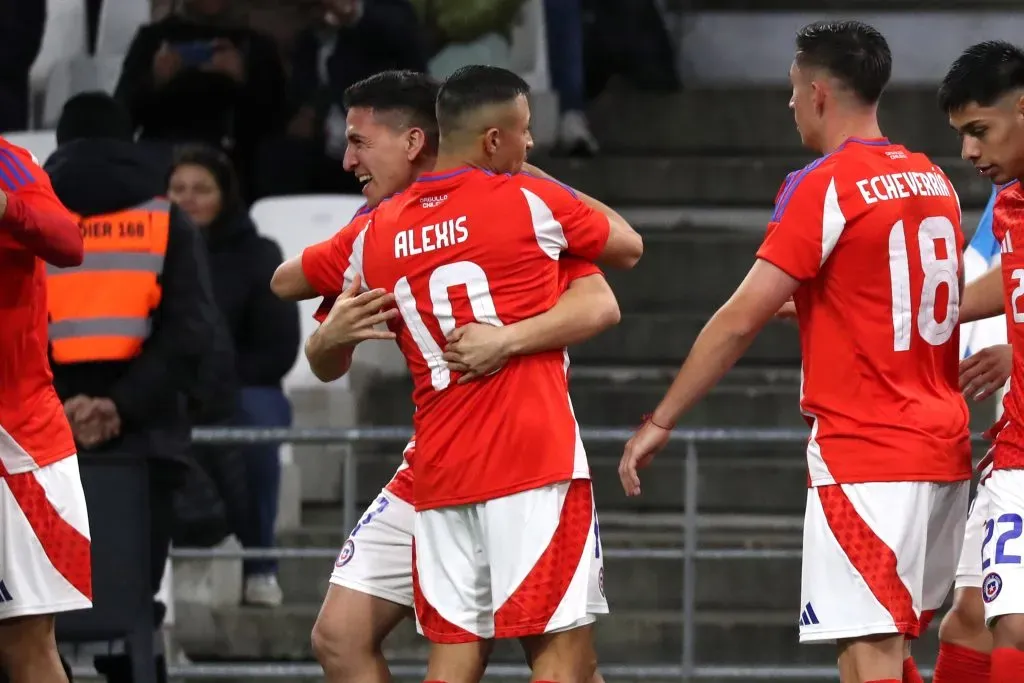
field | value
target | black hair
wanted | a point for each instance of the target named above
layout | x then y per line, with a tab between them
982	74
219	166
94	115
851	51
473	87
407	93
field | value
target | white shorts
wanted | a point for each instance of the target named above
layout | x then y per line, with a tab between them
878	557
515	566
968	570
377	557
45	558
1002	586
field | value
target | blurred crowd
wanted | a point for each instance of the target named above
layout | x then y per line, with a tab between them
219	103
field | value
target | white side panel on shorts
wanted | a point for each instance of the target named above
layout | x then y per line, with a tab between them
62	483
547	229
536	510
29	577
968	571
14	458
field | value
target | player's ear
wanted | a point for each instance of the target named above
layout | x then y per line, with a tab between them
415	141
819	92
492	141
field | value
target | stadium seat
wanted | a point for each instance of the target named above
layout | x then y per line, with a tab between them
40	142
63	39
295	222
77	75
119	22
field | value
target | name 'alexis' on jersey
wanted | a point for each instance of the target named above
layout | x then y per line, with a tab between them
429	238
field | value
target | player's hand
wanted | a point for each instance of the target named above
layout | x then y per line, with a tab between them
985	372
353	316
640	450
476	350
3	204
787	312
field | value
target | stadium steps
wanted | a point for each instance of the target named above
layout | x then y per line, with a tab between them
736	180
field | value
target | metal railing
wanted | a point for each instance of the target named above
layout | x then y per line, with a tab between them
687	668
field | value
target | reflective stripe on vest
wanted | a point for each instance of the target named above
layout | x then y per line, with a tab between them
101	310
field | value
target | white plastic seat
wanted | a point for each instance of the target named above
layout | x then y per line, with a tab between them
295	222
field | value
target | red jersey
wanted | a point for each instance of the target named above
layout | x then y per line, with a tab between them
872	232
1008	229
321	268
33	429
463	246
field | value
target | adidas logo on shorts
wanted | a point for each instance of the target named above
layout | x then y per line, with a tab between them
5	595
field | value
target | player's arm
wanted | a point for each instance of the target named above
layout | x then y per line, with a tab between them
289	282
623	246
31	213
346	321
982	297
585	309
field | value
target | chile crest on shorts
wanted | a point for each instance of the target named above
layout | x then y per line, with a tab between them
991	587
345	556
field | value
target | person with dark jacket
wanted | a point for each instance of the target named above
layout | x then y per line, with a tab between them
125	388
200	76
265	330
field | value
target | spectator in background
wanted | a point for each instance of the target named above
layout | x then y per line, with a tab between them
461	32
265	330
354	40
564	21
198	76
21	36
124	387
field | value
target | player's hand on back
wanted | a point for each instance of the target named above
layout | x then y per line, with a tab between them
787	312
640	450
476	350
985	372
354	315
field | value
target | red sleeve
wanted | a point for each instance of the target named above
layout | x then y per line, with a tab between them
326	304
34	216
562	221
806	213
573	268
325	264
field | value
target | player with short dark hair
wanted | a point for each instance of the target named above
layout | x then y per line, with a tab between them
499	456
866	240
372	578
983	95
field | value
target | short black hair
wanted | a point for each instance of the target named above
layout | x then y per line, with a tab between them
851	51
408	93
982	74
472	87
92	115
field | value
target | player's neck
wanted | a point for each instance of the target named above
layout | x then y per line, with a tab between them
863	126
449	161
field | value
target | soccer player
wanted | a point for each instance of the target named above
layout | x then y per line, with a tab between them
867	241
44	558
983	94
392	130
504	512
965	643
